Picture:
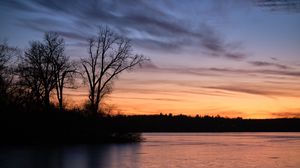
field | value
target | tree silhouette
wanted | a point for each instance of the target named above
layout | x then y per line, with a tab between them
6	75
44	68
4	58
108	55
65	71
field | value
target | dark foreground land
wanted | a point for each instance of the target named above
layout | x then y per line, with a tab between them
77	127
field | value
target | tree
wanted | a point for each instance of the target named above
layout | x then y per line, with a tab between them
44	68
4	58
65	71
6	71
33	72
108	55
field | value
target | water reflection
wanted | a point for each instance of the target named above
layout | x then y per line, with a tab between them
81	156
166	150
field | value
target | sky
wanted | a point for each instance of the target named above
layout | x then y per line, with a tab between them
230	58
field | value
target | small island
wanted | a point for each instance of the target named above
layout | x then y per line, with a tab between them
32	85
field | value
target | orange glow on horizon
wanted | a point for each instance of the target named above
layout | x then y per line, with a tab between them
253	98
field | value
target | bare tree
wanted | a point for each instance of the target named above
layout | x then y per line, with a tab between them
6	71
4	58
109	55
65	72
45	68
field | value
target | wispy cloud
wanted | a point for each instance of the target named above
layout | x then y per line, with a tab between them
260	89
263	82
243	89
287	114
149	65
72	35
290	73
268	64
145	98
213	71
148	24
279	5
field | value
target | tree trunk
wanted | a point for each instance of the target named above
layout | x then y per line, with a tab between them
47	101
95	111
60	104
93	103
60	100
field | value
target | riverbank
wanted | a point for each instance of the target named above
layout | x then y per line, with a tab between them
73	127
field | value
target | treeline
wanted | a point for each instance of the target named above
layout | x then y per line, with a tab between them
183	123
30	79
77	127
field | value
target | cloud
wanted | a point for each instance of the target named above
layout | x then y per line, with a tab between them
244	89
72	35
149	65
18	5
146	98
171	47
279	5
211	81
150	25
268	64
274	58
214	71
290	73
291	114
41	24
259	89
235	56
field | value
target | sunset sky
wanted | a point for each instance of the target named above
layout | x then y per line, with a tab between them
230	58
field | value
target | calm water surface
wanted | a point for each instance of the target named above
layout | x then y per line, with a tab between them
164	150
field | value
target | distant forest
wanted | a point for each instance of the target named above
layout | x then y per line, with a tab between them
184	123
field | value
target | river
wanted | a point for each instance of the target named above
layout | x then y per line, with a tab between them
166	150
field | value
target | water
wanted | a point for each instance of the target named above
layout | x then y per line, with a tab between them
167	150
